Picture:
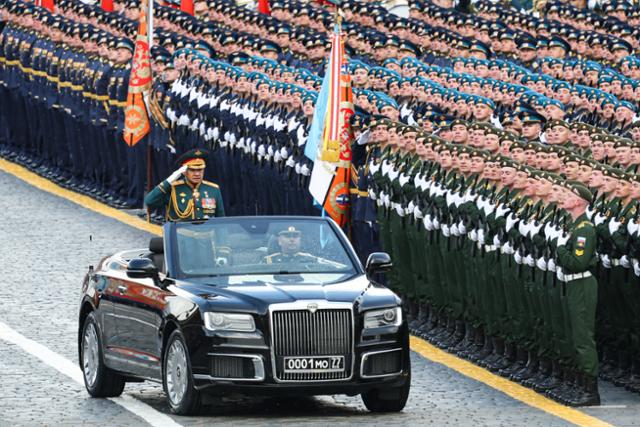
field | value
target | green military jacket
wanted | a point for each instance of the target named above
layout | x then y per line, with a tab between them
579	254
280	258
184	202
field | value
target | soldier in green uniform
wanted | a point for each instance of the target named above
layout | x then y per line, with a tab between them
191	197
576	256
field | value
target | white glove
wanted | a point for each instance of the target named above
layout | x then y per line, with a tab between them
461	228
589	212
541	263
633	227
560	274
436	223
481	236
524	228
177	174
290	162
507	249
636	267
501	210
534	229
551	265
599	219
511	221
496	240
428	222
445	230
453	229
517	257
624	261
473	235
529	261
613	225
305	170
563	239
606	262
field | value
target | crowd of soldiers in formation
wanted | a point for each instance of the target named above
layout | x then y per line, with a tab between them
471	129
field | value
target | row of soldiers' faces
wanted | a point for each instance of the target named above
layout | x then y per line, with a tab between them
240	85
73	39
530	184
537	157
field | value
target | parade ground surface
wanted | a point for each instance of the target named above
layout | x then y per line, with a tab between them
49	238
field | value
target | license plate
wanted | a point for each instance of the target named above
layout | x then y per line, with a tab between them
314	364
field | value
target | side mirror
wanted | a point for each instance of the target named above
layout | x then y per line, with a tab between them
378	262
142	268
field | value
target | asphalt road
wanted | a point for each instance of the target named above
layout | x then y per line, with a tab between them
47	244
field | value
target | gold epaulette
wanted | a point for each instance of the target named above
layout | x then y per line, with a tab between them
178	182
213	184
584	223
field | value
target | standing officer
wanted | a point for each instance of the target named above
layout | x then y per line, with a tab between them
189	198
576	255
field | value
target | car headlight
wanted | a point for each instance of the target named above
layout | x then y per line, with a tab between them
215	321
382	318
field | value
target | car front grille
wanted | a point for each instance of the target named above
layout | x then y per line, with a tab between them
325	332
231	367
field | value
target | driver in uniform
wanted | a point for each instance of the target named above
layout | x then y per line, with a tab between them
289	242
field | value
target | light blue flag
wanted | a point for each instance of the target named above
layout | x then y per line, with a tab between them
319	115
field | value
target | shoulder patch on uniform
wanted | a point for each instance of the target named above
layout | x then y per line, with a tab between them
579	252
583	224
178	182
213	184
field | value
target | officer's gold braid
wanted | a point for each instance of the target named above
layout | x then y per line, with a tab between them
188	212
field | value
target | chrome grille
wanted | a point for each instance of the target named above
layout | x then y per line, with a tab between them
327	332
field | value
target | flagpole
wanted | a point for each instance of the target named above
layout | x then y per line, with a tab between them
149	147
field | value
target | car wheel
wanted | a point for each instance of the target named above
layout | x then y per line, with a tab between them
99	380
182	396
391	399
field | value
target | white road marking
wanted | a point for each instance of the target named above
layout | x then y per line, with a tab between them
606	407
72	370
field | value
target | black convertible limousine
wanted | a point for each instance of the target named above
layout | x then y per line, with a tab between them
256	305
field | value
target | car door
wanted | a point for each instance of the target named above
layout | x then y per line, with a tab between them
138	311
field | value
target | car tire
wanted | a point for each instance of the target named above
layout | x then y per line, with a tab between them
177	380
390	399
99	380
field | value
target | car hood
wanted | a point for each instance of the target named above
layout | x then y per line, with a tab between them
257	295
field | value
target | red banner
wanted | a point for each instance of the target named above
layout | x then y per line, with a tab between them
136	118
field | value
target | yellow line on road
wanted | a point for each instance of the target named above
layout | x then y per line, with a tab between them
85	201
509	388
418	345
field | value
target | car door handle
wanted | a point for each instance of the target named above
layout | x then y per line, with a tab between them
122	289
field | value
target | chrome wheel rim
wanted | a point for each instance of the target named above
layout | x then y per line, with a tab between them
176	372
90	354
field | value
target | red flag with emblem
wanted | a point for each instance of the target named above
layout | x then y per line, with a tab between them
136	118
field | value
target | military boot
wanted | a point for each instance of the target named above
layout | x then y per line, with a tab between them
519	363
420	319
568	391
486	350
530	369
462	348
496	360
609	364
621	377
552	381
634	381
544	372
589	395
457	336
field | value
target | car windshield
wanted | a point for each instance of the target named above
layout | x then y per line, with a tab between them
260	246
